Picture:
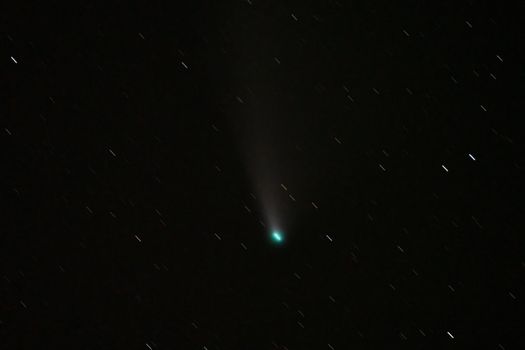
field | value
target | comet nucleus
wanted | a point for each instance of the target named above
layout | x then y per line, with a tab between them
277	237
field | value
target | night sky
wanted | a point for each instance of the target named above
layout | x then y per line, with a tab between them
262	175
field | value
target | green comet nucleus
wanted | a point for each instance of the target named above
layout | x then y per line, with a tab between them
277	236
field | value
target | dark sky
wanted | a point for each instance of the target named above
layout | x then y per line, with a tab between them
153	148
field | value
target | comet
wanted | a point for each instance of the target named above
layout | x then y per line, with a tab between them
277	236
